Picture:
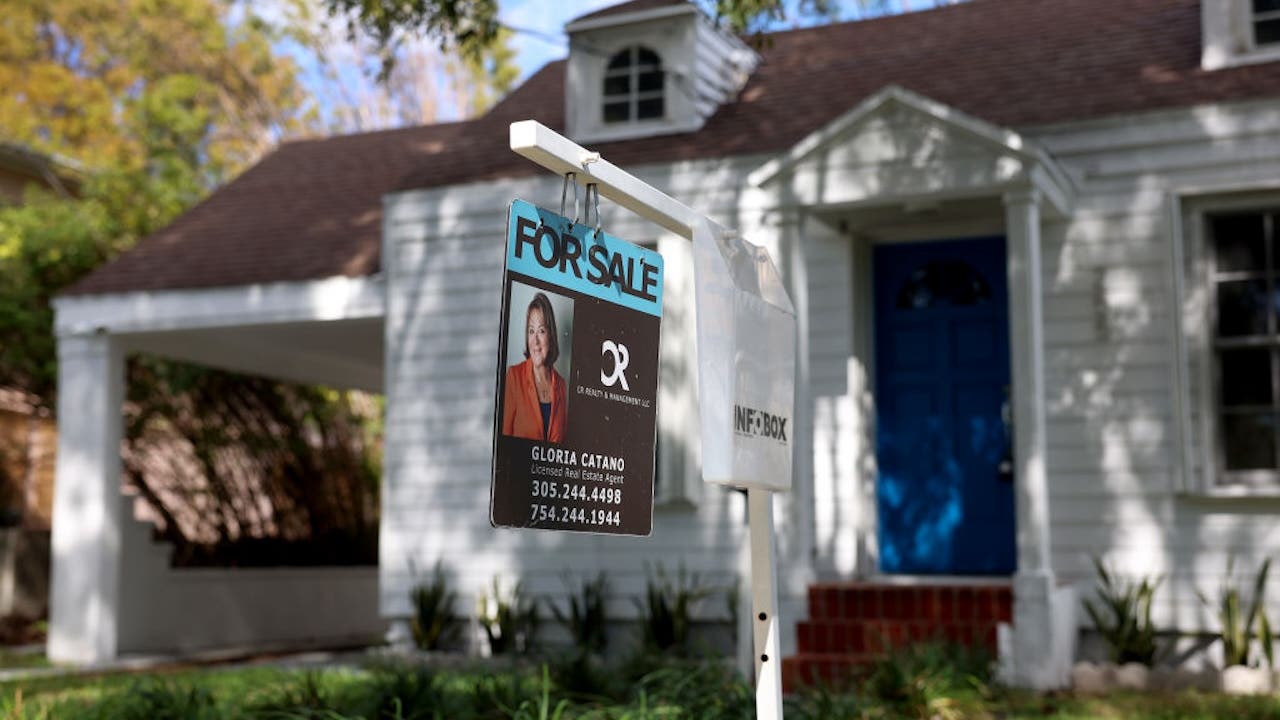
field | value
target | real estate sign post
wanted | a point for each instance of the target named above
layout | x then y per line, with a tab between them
746	328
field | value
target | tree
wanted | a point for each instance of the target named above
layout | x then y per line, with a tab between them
471	27
160	101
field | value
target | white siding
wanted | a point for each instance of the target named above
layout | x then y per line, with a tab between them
1114	445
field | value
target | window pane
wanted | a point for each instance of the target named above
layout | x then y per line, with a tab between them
621	60
944	282
1239	242
648	57
651	81
617	85
1249	441
1242	308
616	112
647	109
1246	377
1261	6
1266	32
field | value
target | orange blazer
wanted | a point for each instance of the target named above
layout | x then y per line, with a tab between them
521	416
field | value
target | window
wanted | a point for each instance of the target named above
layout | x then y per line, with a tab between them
633	86
1266	22
1244	274
943	283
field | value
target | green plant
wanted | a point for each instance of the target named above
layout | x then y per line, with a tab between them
703	689
1237	627
586	620
510	621
542	709
156	699
667	610
434	621
1123	616
929	681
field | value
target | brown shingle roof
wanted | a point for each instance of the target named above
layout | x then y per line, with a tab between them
313	209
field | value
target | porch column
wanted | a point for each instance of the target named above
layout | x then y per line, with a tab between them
1038	651
85	579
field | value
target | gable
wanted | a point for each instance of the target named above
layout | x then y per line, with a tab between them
899	147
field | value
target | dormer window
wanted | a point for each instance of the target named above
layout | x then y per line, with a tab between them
1266	22
1239	32
626	62
633	86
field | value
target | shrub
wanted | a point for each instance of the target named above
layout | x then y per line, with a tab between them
510	621
1237	627
586	620
434	622
667	610
155	699
930	681
1123	616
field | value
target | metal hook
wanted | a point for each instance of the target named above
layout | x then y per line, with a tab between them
570	178
593	193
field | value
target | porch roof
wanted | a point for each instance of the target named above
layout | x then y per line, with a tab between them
312	209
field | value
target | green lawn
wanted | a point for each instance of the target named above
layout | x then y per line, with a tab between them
641	690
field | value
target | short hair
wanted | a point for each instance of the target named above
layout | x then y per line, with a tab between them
540	302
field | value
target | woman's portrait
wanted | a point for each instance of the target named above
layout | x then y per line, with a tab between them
535	395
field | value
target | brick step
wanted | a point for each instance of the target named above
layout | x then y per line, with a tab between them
941	603
875	637
822	669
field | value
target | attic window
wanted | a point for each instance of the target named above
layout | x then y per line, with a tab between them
633	86
1266	22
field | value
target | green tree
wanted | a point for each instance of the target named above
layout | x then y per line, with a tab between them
471	29
160	101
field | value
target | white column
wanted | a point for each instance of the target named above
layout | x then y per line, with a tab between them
85	583
1026	333
1039	643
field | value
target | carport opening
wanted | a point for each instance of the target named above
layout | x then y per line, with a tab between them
241	470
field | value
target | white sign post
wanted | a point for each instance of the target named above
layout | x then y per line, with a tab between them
748	324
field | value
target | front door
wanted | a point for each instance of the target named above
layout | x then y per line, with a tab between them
943	443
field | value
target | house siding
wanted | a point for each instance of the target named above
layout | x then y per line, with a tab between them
1115	451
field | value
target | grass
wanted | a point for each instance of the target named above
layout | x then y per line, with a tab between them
921	683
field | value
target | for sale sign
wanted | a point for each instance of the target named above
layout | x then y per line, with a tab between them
577	383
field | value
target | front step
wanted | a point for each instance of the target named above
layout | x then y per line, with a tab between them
851	625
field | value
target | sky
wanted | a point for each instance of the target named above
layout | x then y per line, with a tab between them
538	38
542	22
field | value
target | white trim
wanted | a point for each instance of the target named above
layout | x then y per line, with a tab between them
1228	37
1188	208
631	17
336	298
1044	174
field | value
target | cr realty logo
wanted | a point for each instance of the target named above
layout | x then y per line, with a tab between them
758	423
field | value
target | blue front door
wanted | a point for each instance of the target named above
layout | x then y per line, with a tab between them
945	490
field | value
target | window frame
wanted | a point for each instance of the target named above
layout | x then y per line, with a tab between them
1229	38
634	95
1194	332
1218	345
1251	27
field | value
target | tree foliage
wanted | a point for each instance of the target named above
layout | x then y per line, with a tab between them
472	28
159	101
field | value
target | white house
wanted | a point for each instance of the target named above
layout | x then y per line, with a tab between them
1033	249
